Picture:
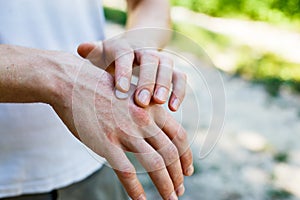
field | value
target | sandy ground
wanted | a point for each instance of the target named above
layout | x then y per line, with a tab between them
258	154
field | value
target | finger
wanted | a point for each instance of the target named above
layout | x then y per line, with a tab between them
85	48
148	69
164	79
178	90
154	165
126	173
121	54
93	51
178	136
123	69
169	152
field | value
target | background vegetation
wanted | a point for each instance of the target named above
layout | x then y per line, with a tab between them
275	11
266	68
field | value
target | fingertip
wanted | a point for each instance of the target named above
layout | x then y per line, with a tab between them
180	190
158	101
123	84
84	49
142	197
173	196
121	95
189	171
174	104
143	97
160	95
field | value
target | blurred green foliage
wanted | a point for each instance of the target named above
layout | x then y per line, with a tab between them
282	157
277	11
260	67
115	15
278	194
270	70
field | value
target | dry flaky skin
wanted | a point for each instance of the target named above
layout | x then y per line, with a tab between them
83	97
108	125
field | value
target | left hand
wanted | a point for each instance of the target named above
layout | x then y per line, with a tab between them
156	74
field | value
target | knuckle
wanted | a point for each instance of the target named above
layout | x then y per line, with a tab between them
171	154
166	190
149	56
125	58
177	179
121	132
166	61
149	53
127	172
172	151
134	191
147	83
187	157
160	115
157	162
126	175
124	52
139	115
112	138
181	135
167	70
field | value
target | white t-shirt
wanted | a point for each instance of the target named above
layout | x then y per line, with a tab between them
37	152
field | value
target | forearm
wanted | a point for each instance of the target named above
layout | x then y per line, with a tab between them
150	14
26	75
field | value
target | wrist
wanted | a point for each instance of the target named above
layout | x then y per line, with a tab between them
70	75
58	77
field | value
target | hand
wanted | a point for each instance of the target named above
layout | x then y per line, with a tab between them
156	73
83	97
110	126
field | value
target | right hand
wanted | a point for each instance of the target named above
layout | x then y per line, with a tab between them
109	126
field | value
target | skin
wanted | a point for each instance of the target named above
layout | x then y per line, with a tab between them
77	91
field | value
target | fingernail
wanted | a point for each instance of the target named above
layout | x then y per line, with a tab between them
144	97
124	83
161	93
141	197
175	103
190	170
121	95
173	196
180	190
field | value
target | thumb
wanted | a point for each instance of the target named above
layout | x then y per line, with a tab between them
85	49
93	51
